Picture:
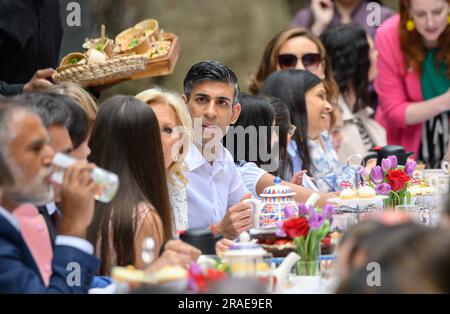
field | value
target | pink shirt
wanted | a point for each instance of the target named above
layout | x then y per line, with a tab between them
396	87
35	233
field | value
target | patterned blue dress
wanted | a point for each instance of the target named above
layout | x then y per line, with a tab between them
326	168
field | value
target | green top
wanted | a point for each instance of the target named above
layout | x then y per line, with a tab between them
435	131
434	81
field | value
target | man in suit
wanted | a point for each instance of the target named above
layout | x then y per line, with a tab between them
24	142
55	115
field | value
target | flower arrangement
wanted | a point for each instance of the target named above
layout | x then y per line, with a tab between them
392	180
307	227
200	279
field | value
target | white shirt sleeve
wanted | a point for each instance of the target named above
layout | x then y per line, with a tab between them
75	242
251	174
237	188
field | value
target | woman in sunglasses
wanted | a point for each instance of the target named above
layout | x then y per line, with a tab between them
296	48
348	49
311	147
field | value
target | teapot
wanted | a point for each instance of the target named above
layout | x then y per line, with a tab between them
269	211
390	150
249	259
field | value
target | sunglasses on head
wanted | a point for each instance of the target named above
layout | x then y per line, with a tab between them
289	61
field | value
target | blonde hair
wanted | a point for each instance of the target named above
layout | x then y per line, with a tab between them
83	98
174	100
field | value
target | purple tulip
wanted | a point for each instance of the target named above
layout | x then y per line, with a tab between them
383	189
316	221
377	175
195	268
362	172
328	212
410	167
289	211
393	160
303	210
280	232
386	164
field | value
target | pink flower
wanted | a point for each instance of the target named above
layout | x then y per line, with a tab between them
316	221
377	175
303	210
393	160
289	211
383	189
410	167
386	164
362	172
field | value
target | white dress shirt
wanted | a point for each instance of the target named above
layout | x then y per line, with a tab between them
212	188
74	242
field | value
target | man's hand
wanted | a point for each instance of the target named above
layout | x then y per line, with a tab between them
176	252
39	81
239	218
222	246
77	199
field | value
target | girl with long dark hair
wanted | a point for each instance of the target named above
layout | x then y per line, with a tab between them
311	148
126	140
258	143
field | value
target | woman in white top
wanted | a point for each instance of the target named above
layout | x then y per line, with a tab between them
177	136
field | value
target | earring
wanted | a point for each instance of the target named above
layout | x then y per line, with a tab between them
448	19
410	25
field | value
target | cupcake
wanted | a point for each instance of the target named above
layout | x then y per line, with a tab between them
366	192
347	194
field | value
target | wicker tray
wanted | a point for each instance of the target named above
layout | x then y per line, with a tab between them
121	68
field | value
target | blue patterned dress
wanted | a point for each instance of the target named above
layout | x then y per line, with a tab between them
326	168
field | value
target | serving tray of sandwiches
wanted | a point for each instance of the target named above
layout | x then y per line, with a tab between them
141	51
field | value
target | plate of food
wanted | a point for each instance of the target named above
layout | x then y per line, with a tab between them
168	278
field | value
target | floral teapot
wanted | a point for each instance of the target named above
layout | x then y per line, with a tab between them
269	211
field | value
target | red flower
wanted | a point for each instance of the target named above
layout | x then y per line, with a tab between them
214	275
397	179
296	227
326	241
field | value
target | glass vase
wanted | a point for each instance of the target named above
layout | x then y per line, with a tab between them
307	268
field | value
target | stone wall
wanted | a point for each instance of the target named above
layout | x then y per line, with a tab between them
232	31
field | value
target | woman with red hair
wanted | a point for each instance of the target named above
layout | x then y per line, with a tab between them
414	78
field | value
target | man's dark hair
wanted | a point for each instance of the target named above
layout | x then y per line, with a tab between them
78	123
210	71
49	107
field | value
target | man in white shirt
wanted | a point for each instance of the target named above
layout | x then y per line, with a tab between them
215	190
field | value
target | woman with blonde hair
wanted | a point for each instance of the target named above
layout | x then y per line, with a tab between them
177	136
83	98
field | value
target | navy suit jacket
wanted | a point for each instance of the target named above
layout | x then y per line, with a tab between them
20	274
